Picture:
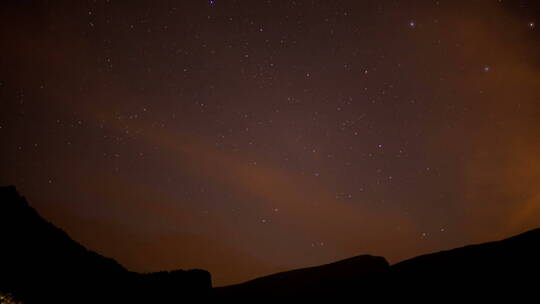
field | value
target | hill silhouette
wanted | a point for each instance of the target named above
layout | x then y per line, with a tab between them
501	268
40	263
339	277
509	267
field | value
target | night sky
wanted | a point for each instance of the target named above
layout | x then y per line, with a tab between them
247	137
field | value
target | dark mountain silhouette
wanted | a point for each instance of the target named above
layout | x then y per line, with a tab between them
339	277
39	263
510	267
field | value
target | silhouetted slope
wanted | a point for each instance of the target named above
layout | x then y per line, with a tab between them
509	265
40	263
357	273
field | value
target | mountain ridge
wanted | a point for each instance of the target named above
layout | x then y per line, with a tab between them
41	263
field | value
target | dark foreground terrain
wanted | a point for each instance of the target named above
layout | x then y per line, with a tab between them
39	263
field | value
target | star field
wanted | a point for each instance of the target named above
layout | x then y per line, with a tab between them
249	137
